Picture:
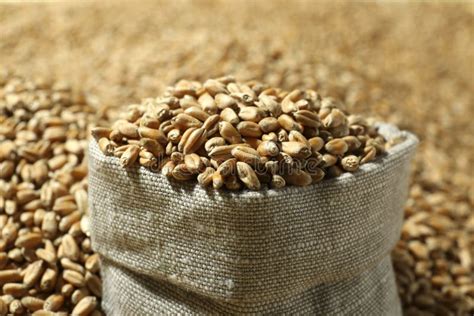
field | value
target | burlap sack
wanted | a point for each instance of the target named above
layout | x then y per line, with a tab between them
248	248
370	293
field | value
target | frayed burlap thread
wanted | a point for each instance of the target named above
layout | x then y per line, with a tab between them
248	249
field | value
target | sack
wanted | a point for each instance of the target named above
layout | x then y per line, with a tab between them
249	250
370	293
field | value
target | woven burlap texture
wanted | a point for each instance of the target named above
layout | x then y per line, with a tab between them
249	247
371	293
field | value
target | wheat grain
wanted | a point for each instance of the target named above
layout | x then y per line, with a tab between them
219	123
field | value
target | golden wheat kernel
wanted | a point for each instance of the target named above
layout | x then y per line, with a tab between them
336	146
298	178
248	176
350	163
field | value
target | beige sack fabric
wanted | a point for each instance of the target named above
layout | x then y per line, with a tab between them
248	250
370	293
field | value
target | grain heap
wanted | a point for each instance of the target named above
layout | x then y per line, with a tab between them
433	260
232	135
46	261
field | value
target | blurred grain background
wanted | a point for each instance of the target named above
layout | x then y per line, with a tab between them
408	63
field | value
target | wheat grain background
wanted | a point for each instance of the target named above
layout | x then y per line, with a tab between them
407	63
